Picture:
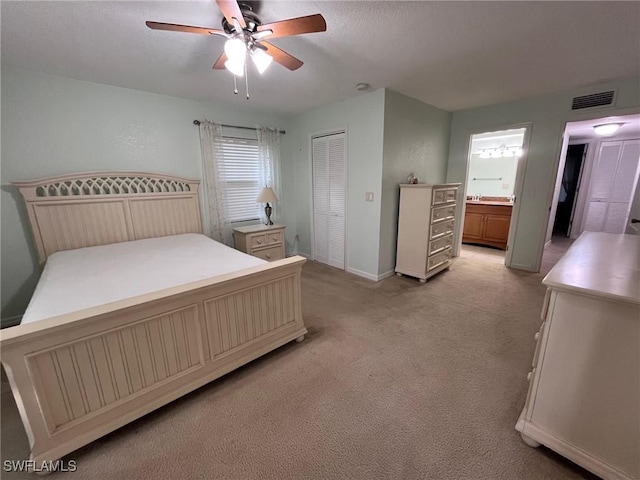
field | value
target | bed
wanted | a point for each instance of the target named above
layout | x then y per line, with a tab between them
157	308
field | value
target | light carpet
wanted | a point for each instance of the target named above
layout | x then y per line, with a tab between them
396	379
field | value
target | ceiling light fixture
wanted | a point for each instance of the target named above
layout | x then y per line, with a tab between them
607	128
502	151
236	52
261	59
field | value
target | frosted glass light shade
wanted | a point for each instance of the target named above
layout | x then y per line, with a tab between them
235	49
261	60
266	195
236	52
607	129
235	67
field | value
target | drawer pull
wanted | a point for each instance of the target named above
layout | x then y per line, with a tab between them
274	238
268	256
258	242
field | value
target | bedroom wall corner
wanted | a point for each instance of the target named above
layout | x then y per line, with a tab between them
54	125
416	139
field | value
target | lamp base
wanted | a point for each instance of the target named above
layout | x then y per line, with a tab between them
267	212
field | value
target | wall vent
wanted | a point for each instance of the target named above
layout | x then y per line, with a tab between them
599	99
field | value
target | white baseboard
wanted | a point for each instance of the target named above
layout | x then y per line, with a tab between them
384	275
526	268
369	276
10	321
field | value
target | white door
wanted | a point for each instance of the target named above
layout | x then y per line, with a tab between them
614	182
329	198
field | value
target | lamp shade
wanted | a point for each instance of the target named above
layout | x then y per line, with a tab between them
266	195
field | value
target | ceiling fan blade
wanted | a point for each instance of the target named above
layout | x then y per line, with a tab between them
230	9
296	26
282	57
219	65
172	27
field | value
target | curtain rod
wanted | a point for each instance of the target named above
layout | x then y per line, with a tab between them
197	122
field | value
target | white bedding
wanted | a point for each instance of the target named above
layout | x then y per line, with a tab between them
87	277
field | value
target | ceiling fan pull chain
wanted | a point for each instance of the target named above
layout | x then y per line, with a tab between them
246	79
235	85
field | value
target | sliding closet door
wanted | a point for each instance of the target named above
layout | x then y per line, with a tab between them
329	198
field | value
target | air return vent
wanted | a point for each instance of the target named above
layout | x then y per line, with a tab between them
600	99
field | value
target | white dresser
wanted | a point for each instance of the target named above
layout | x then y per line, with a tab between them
426	224
584	392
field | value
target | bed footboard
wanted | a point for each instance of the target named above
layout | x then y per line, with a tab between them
79	376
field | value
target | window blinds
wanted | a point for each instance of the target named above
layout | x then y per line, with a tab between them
241	174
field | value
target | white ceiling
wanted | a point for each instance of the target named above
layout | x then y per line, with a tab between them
453	55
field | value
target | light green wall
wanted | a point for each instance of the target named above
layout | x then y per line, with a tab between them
53	125
548	115
416	139
362	116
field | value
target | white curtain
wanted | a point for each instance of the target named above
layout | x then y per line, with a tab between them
216	216
269	145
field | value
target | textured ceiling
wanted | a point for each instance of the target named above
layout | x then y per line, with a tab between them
453	55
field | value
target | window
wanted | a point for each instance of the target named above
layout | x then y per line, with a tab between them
241	174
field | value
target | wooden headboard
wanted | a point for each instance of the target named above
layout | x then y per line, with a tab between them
97	208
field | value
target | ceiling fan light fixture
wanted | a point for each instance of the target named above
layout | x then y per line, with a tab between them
261	60
607	128
236	50
235	66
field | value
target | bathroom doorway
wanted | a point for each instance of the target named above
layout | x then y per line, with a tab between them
495	174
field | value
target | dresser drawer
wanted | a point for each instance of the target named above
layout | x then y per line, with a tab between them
441	214
438	259
444	195
258	241
441	229
269	254
440	244
274	238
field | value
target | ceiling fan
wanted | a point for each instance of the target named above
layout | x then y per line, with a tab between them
246	35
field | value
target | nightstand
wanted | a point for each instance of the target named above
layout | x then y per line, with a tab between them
262	241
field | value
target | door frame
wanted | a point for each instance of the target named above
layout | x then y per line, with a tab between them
517	187
586	152
325	133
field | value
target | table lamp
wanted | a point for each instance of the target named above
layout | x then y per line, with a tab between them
267	195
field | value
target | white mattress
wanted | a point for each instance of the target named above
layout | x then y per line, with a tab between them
87	277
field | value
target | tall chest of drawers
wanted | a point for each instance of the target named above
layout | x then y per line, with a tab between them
426	223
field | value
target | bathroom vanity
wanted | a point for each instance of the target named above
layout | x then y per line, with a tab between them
486	222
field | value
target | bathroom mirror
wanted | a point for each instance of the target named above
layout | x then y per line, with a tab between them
493	163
